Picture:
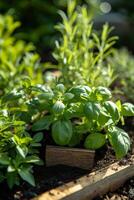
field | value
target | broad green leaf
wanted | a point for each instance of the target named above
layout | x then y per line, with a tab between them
127	109
58	107
80	90
75	139
92	110
4	159
38	137
42	124
103	118
68	96
26	175
120	141
112	110
62	132
103	93
95	141
60	88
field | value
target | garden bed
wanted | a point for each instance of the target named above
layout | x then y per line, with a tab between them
62	178
93	184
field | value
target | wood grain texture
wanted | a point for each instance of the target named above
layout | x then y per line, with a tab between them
93	184
75	157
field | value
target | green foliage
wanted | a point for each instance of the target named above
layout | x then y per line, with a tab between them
81	53
73	114
123	64
37	17
18	151
95	141
88	115
120	141
17	59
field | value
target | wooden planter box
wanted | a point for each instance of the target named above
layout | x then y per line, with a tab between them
74	157
93	184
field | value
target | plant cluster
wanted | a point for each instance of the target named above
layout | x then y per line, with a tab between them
75	110
38	18
82	52
78	114
17	59
18	150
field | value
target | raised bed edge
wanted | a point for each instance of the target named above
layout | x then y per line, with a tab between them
90	186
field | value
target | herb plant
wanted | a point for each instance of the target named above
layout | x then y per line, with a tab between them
81	53
84	114
17	59
18	150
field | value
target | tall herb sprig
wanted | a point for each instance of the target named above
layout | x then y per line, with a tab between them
81	53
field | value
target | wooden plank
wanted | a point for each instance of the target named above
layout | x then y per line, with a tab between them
75	157
93	184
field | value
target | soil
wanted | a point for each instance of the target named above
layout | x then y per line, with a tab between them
59	175
126	192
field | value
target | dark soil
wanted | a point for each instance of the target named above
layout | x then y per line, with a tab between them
52	177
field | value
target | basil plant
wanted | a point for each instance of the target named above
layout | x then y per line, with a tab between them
83	115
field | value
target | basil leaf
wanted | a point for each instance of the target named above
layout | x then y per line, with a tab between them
95	141
127	109
62	132
120	141
43	123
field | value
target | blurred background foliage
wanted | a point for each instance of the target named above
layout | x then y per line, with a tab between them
38	18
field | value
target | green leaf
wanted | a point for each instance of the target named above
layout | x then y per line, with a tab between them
103	93
26	175
75	139
42	124
79	90
4	159
95	141
23	150
60	88
103	118
68	96
92	110
127	109
62	132
120	141
38	137
112	110
58	107
11	179
33	159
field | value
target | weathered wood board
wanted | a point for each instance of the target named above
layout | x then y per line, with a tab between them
75	157
93	184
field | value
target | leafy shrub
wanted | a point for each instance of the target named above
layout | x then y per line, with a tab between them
81	53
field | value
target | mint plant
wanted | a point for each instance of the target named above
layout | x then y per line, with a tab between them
18	151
